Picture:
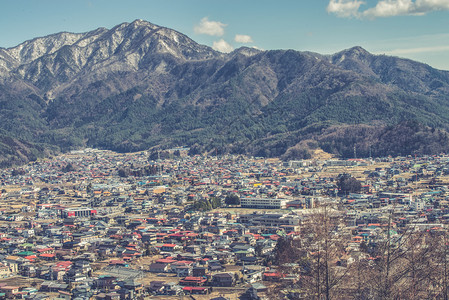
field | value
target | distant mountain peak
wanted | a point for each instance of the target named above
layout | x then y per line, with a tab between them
357	49
246	51
140	22
353	52
38	47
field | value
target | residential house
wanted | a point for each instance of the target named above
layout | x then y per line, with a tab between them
159	268
223	279
193	281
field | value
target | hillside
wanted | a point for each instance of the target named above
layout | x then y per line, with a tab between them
139	85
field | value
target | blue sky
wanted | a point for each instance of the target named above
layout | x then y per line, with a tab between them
415	29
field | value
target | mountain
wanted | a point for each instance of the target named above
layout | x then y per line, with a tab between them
139	85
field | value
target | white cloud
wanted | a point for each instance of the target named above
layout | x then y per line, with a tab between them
213	28
222	46
430	5
390	8
344	8
242	38
385	8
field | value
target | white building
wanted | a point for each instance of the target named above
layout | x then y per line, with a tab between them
271	203
416	204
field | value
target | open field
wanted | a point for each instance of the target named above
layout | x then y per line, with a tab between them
22	281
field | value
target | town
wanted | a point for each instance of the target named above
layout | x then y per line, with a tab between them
95	224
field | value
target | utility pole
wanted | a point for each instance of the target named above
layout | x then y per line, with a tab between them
159	161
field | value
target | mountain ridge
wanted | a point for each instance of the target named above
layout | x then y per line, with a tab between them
140	85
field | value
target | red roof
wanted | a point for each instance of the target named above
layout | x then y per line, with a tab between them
191	234
45	249
186	262
31	257
194	288
176	235
47	255
63	264
191	278
165	260
274	237
116	262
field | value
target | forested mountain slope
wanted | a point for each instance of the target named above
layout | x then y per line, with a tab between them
139	85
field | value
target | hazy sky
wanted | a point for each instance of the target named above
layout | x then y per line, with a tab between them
415	29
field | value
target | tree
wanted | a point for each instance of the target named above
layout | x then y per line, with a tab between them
17	172
215	202
405	263
348	184
325	248
89	188
202	205
122	172
232	199
68	168
440	274
317	254
287	250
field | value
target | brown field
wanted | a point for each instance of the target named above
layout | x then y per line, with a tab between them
22	282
